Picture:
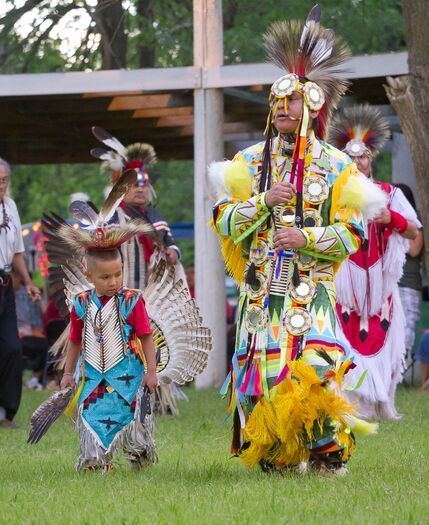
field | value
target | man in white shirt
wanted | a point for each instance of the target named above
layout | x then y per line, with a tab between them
11	257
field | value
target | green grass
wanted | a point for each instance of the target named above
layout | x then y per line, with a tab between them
196	482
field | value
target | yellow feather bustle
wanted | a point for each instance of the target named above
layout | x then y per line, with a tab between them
278	431
238	181
352	194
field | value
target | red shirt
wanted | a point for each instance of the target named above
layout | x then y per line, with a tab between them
138	319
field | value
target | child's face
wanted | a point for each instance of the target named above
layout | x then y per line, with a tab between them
106	276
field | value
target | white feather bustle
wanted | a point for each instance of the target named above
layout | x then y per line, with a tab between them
376	198
216	172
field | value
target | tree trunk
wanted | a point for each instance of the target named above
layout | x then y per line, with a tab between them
409	95
147	50
109	17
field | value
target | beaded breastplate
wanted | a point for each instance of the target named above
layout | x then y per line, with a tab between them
104	342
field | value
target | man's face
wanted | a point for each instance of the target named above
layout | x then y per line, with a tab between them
4	181
363	162
106	276
138	195
287	123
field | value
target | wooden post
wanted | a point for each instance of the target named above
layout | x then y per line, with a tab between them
208	146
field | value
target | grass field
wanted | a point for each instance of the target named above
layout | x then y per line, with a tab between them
196	482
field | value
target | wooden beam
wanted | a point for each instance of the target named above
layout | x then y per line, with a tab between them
180	78
163	112
140	101
165	122
118	80
112	94
362	66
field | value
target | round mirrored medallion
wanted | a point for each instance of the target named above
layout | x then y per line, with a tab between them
297	321
257	290
285	85
315	189
305	291
287	216
259	253
255	318
312	218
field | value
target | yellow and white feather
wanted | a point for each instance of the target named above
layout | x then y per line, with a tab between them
231	179
360	192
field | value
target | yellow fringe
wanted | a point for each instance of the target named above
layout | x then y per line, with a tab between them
278	430
235	263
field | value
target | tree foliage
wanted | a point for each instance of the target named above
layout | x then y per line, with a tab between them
44	35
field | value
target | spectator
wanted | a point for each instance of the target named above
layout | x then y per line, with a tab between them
33	341
11	257
422	355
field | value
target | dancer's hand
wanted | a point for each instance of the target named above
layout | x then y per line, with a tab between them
289	238
151	381
67	381
279	193
383	217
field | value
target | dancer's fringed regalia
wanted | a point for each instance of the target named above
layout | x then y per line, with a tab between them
369	307
116	336
289	214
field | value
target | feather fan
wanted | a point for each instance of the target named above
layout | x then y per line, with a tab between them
47	413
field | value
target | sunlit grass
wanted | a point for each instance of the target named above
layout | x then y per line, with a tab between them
196	482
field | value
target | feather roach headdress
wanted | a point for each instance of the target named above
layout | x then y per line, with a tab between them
360	130
313	58
97	233
118	158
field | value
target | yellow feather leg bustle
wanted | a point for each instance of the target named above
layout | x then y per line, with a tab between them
278	431
260	432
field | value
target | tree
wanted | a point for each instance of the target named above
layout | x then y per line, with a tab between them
409	95
110	34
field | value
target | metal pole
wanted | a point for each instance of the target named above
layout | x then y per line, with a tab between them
208	146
